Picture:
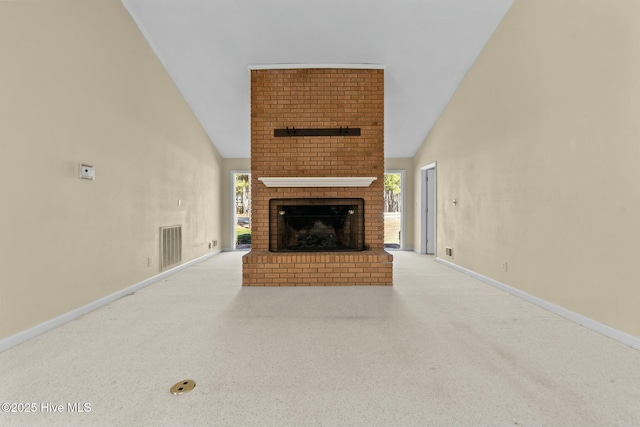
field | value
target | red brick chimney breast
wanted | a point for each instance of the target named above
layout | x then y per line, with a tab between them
311	99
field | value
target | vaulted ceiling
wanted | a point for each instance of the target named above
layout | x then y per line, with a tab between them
425	46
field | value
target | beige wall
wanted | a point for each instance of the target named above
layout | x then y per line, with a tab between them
79	83
540	146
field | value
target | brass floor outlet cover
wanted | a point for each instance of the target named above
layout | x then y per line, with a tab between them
183	387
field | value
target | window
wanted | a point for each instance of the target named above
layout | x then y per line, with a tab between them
393	219
242	210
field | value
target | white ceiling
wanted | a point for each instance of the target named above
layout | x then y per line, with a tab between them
425	46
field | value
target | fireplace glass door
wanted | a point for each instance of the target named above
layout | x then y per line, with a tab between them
311	225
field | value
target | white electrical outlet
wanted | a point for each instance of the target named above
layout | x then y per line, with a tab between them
504	266
150	261
215	243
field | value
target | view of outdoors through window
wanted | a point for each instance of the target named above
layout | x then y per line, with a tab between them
392	210
243	210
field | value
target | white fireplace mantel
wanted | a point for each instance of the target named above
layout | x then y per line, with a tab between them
318	181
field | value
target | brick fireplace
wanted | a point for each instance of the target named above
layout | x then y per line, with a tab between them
317	200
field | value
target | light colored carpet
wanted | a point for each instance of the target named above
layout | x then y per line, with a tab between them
438	348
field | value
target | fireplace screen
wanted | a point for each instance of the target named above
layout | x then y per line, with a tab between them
316	225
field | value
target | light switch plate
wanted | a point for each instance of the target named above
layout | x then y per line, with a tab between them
87	172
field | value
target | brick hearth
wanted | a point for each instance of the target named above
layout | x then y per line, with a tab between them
317	98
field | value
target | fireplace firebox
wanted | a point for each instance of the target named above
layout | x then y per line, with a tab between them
314	225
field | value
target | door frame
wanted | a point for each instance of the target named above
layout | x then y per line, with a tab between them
425	198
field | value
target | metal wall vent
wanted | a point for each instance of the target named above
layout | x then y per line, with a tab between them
170	246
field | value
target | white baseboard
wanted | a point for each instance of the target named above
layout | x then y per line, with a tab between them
417	250
596	326
20	337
